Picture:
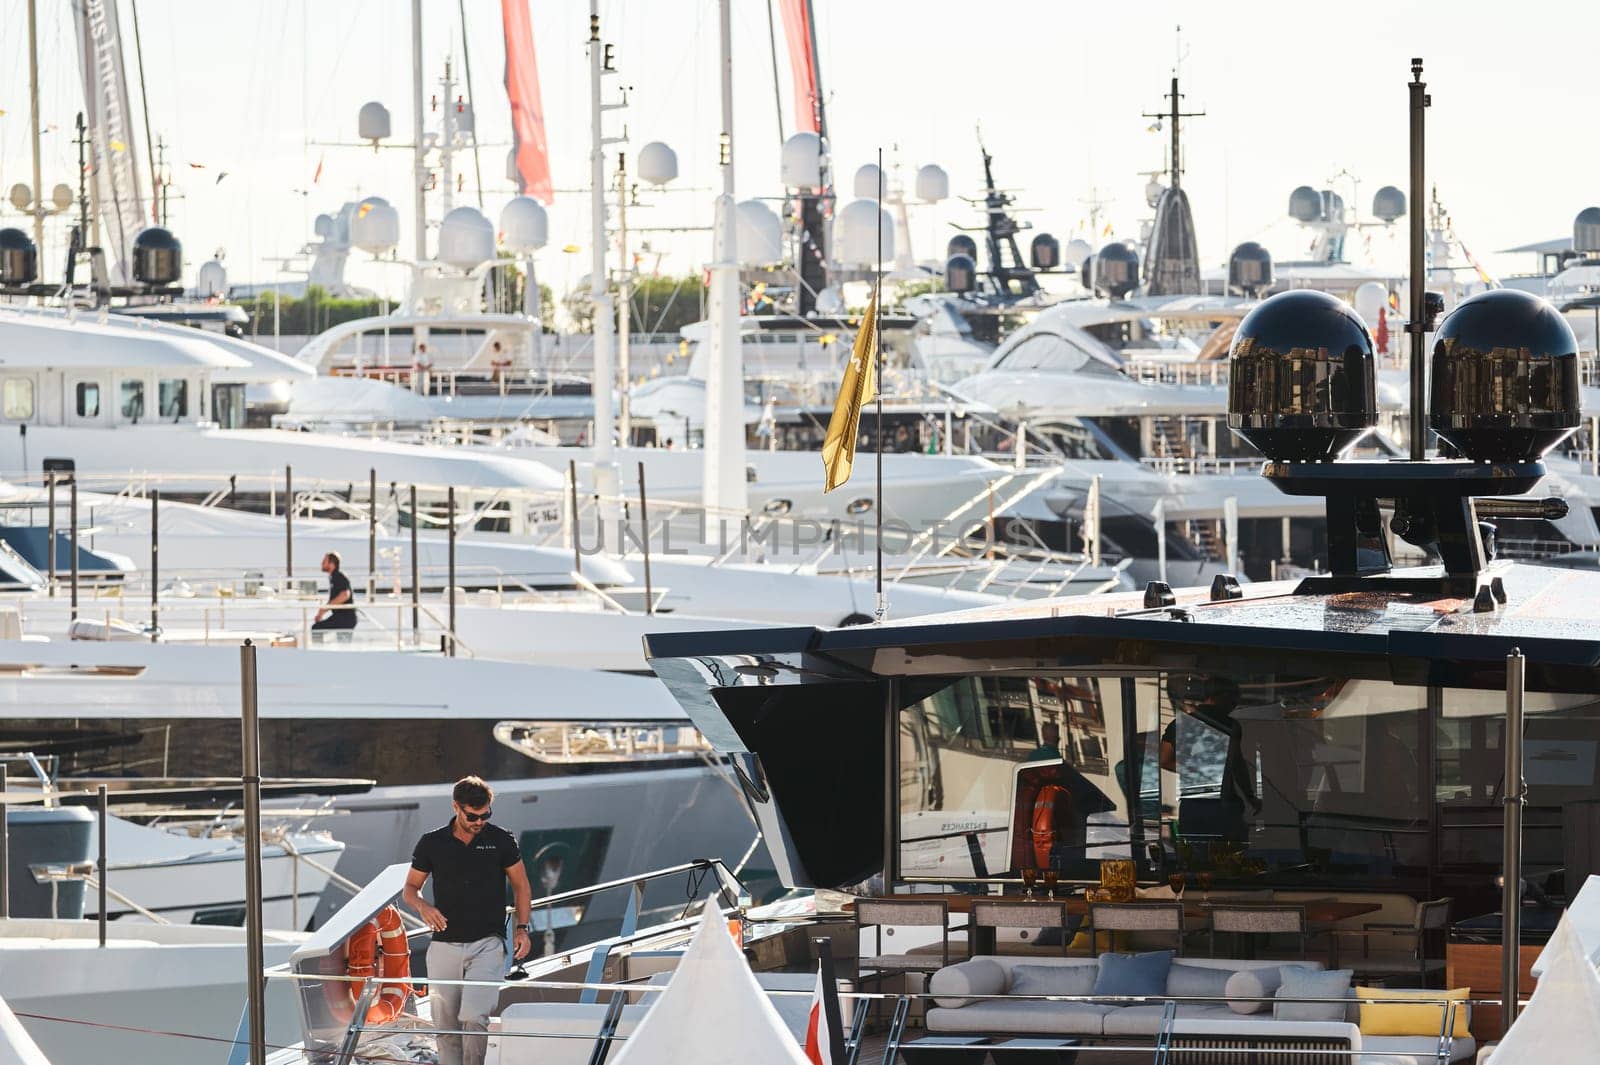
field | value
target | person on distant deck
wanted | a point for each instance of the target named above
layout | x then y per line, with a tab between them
340	612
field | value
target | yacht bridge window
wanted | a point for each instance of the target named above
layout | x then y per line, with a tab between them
174	398
16	399
131	400
88	399
1052	353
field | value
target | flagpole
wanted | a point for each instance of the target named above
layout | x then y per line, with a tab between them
877	380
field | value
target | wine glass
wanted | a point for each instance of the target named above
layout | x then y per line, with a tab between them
1030	876
1051	879
1204	880
1177	882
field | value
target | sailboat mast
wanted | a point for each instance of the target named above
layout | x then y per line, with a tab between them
604	380
33	106
419	154
724	479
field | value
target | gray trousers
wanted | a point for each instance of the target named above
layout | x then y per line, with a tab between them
464	1008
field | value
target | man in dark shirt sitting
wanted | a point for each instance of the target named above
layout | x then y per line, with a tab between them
470	862
340	612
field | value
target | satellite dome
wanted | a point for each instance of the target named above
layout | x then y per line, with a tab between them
1302	385
933	184
1305	204
61	196
1116	270
868	183
157	257
1044	252
1250	269
960	273
1586	231
1388	204
322	226
211	280
1370	298
658	163
1076	251
375	227
372	123
1152	192
21	196
1505	377
466	239
800	163
524	225
961	244
856	234
830	301
759	234
19	258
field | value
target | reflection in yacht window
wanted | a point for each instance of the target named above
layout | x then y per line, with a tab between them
88	399
18	399
132	400
174	398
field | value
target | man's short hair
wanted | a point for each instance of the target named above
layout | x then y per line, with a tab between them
337	561
473	792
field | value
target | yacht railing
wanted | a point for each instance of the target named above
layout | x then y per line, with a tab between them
1156	370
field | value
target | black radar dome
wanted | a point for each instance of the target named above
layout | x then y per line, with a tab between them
19	259
1505	377
1301	382
157	257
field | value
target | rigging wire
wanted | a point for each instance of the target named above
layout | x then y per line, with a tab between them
466	59
144	97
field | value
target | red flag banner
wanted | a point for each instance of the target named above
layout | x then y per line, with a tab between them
527	110
802	63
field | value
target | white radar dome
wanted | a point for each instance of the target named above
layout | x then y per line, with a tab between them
869	182
1370	298
373	122
760	234
801	161
855	233
933	184
524	225
61	196
658	163
211	280
1073	255
21	196
466	238
375	226
323	226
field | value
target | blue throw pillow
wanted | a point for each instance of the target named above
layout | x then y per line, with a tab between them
1134	974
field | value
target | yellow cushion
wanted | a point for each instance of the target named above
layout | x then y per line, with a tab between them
1389	1017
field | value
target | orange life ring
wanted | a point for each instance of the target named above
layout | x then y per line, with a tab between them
1044	821
377	948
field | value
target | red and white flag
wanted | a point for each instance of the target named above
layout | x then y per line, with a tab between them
819	1041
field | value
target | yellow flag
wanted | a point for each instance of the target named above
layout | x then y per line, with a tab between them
858	388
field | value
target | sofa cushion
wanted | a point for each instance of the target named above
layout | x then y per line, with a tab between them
1146	1020
1309	983
1394	1014
1419	1048
1134	974
1052	980
1020	1018
1247	985
1197	981
979	976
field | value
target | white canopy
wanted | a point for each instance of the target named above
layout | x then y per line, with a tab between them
713	1012
1561	1022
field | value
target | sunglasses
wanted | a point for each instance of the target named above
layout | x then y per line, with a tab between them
470	816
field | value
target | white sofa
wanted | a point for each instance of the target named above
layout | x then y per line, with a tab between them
955	1012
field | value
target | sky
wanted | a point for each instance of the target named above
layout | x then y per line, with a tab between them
251	97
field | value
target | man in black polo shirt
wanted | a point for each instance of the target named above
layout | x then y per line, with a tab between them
470	862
